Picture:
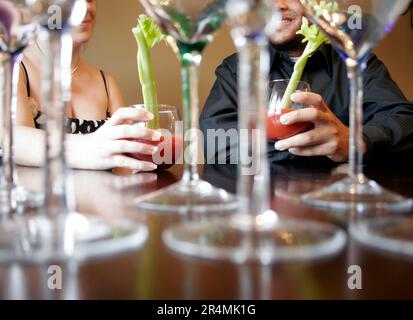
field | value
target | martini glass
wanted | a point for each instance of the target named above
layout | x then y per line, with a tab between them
18	28
255	232
354	28
58	232
192	25
392	234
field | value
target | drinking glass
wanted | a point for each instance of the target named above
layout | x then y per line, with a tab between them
171	143
18	28
58	232
275	129
354	28
192	25
255	232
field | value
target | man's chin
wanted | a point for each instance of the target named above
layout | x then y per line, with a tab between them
294	44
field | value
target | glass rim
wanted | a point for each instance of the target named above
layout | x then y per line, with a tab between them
162	108
288	80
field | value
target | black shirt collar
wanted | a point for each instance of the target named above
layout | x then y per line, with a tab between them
321	56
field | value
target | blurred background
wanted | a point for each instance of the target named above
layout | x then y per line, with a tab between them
113	49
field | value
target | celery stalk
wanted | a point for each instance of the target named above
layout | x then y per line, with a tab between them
147	34
314	38
145	70
294	81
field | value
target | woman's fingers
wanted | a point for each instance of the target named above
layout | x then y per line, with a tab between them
125	146
118	136
128	115
127	131
130	163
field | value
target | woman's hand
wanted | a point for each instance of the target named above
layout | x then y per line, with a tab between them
106	148
330	137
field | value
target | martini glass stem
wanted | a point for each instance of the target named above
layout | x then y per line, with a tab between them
11	79
55	96
190	62
11	98
253	177
7	165
355	72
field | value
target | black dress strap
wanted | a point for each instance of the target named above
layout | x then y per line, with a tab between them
107	92
26	74
105	83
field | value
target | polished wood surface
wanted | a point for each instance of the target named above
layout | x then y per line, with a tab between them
155	272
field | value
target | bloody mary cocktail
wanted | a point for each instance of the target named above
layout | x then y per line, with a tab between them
277	131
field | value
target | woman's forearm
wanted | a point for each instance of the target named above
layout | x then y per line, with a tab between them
104	149
29	144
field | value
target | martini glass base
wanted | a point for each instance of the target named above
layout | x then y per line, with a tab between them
224	239
361	192
25	199
71	236
389	234
22	199
5	206
196	196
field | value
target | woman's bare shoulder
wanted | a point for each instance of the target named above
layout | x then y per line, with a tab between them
92	69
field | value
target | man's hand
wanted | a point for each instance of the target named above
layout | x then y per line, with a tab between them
330	137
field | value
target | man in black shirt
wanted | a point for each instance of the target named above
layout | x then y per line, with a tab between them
388	115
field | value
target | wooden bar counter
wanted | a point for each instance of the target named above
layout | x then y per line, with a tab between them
155	272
